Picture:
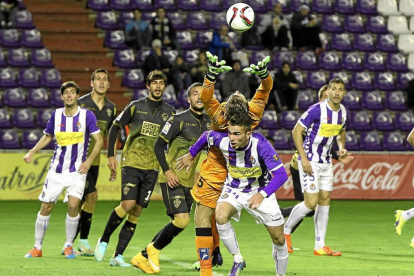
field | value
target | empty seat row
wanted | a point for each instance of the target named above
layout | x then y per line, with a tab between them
24	118
30	78
35	97
21	57
9	139
12	38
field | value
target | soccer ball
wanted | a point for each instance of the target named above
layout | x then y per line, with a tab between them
240	17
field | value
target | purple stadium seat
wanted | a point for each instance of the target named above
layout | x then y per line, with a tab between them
377	24
382	120
404	120
269	120
55	98
171	55
367	7
24	20
306	60
7	78
374	62
329	61
32	39
144	5
289	118
384	81
257	56
352	61
43	116
51	78
5	121
228	3
272	3
299	78
217	20
370	141
188	5
322	6
234	37
362	81
31	137
182	99
203	39
316	80
197	21
282	139
38	97
394	141
364	42
354	24
351	141
142	54
124	18
280	56
306	99
403	79
352	100
42	58
3	62
121	5
178	21
344	6
29	78
295	4
115	40
397	62
9	139
360	121
133	78
168	5
191	56
185	40
18	58
99	5
257	5
139	94
343	76
169	96
125	59
332	23
107	20
211	5
395	100
10	38
386	43
148	16
341	42
23	118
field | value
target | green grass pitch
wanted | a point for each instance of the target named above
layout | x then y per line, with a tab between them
362	230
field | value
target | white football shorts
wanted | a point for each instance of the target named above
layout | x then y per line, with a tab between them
321	178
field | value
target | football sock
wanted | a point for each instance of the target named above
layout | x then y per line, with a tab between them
85	224
214	231
168	233
321	219
281	257
114	221
71	227
409	214
204	246
42	222
297	224
228	236
125	236
298	213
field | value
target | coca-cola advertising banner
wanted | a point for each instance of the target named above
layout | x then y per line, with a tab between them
369	176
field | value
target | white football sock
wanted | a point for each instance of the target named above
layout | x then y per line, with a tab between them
408	214
228	236
281	257
71	229
42	222
298	213
321	219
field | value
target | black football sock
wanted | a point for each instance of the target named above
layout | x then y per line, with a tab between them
85	224
125	236
167	234
113	222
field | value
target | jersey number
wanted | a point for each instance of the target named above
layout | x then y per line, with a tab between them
200	182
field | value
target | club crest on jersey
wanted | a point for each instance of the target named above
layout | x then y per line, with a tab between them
164	116
177	202
252	160
78	125
109	112
126	188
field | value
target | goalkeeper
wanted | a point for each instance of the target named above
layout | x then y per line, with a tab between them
213	170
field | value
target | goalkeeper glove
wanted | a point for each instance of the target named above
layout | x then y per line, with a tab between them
260	69
215	67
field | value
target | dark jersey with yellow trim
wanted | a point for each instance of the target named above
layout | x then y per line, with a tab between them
181	131
105	117
144	128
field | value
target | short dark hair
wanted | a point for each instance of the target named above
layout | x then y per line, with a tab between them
321	90
196	84
156	75
68	84
100	70
138	9
235	106
286	63
243	120
236	61
336	80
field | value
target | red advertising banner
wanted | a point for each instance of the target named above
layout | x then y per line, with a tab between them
369	176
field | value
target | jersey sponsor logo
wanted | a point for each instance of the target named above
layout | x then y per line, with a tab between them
189	124
166	128
109	112
141	112
241	172
329	130
69	138
164	116
150	129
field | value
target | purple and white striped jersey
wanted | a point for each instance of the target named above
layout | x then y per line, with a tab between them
323	125
72	138
249	167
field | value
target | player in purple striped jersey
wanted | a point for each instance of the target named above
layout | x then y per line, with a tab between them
255	172
72	126
323	122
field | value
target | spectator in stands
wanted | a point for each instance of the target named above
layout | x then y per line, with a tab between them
274	30
236	80
181	71
163	29
138	32
286	87
221	45
156	60
8	10
305	30
199	68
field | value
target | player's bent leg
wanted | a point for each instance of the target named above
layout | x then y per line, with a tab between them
280	249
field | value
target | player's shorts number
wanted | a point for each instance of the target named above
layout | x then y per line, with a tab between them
148	196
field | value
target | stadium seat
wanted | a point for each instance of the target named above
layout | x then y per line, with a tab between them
42	58
289	119
411	61
280	56
395	100
295	4
362	81
171	55
354	24
121	5
259	6
125	59
188	5
388	7
185	40
169	96
305	99
228	3
7	78
397	62
316	80
343	76
23	118
376	24
269	120
403	79
341	42
51	78
197	21
352	141
364	42
99	5
382	120
5	118
217	20
29	78
168	5
144	5
404	120
306	61
272	3
257	56
366	7
10	38
394	141
32	39
178	21
211	5
406	43
3	62
352	61
397	24
124	18
55	98
332	23
9	139
203	39
107	20
133	78
352	100
370	141
139	94
31	137
372	100
282	139
386	43
182	99
344	7
322	6
191	56
115	40
38	97
142	54
384	81
18	58
407	7
329	61
360	121
374	62
148	16
23	20
299	78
